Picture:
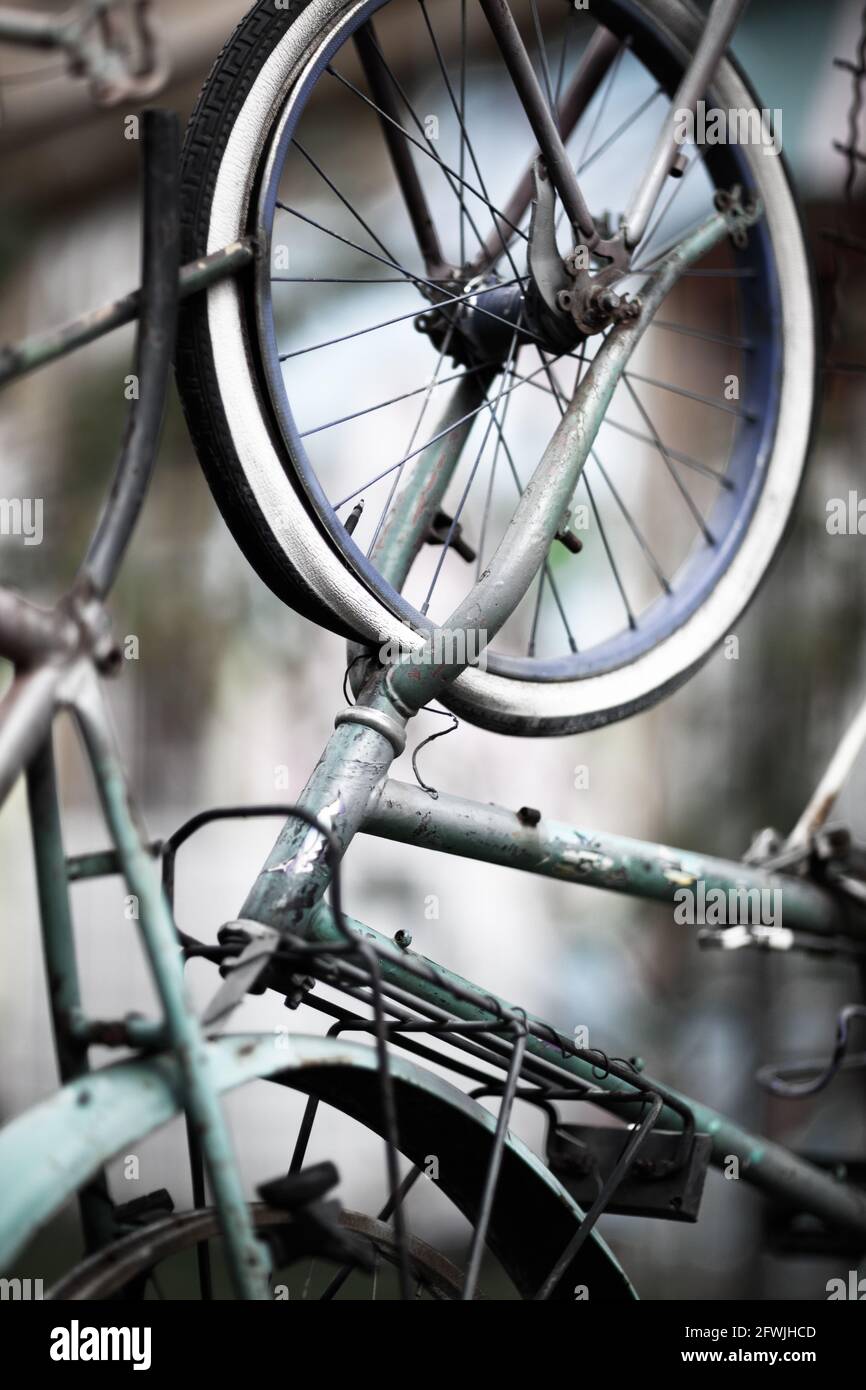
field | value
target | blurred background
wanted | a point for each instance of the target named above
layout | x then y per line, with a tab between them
233	695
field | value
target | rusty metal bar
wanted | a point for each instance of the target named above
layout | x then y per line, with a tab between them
410	184
595	64
402	812
17	359
717	30
154	348
544	126
61	968
247	1259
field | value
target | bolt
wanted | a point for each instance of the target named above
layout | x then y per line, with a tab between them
403	939
109	660
301	986
564	299
624	309
679	166
608	301
570	540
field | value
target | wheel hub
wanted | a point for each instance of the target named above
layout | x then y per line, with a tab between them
557	307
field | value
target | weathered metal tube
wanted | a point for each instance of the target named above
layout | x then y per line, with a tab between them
638	868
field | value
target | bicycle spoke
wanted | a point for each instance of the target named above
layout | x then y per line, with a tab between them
662	449
620	131
346	204
485	405
381	405
384	1214
644	546
609	553
430	153
569	636
542	55
309	1278
339	280
500	438
433	382
721	339
536	614
395	265
595	64
633	526
414	197
462	128
542	122
446	544
410	276
464	133
602	534
385	323
602	105
611	140
658	256
644	244
693	395
456	188
732	273
685	459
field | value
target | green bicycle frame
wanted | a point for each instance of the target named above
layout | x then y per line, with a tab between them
349	785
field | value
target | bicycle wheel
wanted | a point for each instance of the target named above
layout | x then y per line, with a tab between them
532	1221
133	1261
373	156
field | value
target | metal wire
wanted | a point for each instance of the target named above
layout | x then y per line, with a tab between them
778	1079
440	733
619	1172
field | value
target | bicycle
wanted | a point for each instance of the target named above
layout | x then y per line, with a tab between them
497	654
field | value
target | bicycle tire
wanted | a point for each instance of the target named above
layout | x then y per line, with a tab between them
274	522
110	1271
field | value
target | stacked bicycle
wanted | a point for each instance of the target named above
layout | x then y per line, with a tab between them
436	517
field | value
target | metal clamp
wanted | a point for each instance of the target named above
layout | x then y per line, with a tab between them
375	719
